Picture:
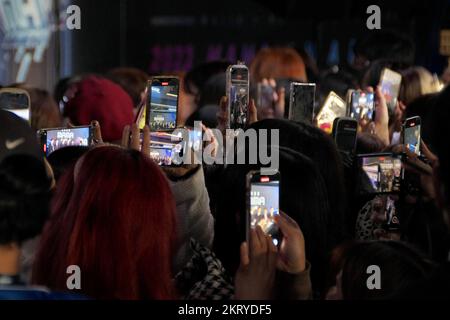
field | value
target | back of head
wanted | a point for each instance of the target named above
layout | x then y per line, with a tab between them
100	99
441	143
317	145
209	98
423	107
44	110
132	80
399	264
416	82
63	159
198	76
368	143
302	196
114	217
276	63
386	45
373	74
24	198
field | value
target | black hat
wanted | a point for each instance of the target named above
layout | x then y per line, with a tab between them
17	137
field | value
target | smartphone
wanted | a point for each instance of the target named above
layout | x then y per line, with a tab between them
265	96
263	203
345	131
362	105
302	101
390	87
380	173
167	154
334	107
167	149
348	100
162	103
391	216
16	101
411	134
238	92
58	138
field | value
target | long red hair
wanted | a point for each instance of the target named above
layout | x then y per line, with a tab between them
113	215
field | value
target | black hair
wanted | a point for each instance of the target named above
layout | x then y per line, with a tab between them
441	144
339	81
320	147
62	159
373	74
202	73
303	196
24	198
386	44
400	265
423	107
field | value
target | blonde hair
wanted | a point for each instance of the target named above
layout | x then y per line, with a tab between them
417	82
276	63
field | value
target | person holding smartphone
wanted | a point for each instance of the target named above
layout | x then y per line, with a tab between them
266	272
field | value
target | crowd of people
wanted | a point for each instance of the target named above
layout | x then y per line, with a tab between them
138	230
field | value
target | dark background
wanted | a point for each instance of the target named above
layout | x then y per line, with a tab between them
171	36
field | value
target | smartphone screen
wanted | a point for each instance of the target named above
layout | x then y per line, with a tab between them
362	105
238	90
166	154
390	87
162	104
166	149
55	139
265	96
301	107
264	193
412	134
16	101
380	173
334	107
392	220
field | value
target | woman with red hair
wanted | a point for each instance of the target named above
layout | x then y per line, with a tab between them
114	217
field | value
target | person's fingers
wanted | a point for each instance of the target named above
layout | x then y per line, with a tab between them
401	106
254	243
245	260
262	239
272	83
146	141
253	112
135	137
281	93
223	105
126	137
286	227
97	131
271	252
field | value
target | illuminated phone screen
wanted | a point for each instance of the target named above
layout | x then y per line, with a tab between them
163	97
412	138
390	87
264	205
61	138
362	105
334	107
238	95
381	174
